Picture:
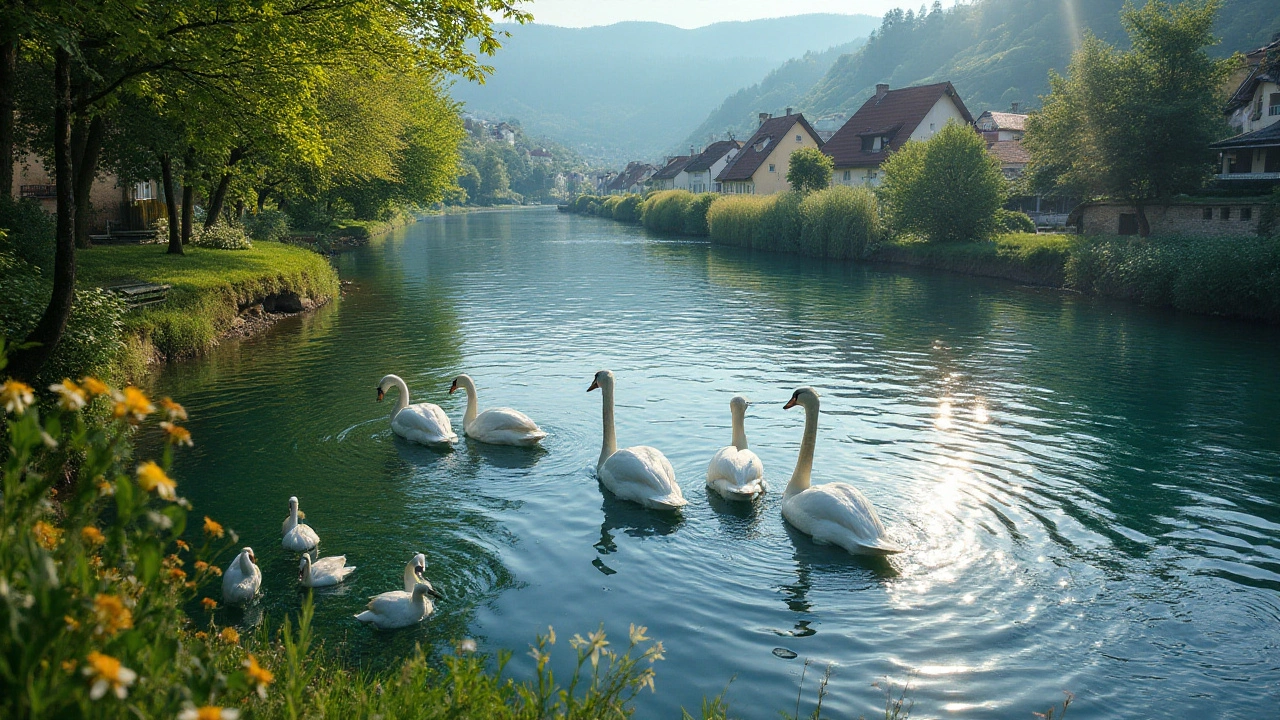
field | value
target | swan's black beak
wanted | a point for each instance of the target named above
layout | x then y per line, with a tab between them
594	386
790	403
432	592
453	388
380	394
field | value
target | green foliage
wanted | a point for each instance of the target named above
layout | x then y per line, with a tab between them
1012	221
732	219
1134	124
780	224
29	235
664	211
809	170
628	209
695	214
269	225
222	236
839	222
947	188
1027	258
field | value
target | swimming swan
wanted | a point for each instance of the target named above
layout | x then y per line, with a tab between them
401	608
640	474
735	472
422	423
496	426
298	537
324	572
833	513
242	579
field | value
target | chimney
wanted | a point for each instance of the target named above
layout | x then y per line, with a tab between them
691	152
1013	107
881	89
788	112
763	117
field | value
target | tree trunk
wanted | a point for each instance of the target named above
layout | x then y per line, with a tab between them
220	194
188	194
262	199
8	85
1144	227
170	204
26	363
84	163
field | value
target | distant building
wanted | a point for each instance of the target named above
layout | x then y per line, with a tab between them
540	156
703	168
113	205
669	177
760	167
1012	156
1002	126
885	122
1254	112
1195	217
504	133
632	179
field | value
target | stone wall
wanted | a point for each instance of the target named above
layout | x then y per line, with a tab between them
1226	218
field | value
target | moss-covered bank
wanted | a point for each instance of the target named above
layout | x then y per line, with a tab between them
208	289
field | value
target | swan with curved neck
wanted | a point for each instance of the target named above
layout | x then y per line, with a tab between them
834	513
323	572
496	426
397	609
242	579
297	536
640	474
735	472
423	423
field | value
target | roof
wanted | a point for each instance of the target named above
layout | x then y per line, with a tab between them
634	174
1009	152
1268	136
672	168
750	158
1005	120
1264	68
896	114
539	153
716	150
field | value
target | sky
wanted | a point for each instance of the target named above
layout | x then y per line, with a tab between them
696	13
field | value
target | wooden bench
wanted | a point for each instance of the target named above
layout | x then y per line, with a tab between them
137	295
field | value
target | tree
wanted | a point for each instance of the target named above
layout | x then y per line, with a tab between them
1134	125
947	188
810	170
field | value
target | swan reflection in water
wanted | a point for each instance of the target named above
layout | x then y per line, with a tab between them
835	568
632	519
505	457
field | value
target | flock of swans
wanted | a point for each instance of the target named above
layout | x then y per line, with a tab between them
832	513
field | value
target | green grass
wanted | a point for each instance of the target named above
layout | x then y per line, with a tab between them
208	287
1025	257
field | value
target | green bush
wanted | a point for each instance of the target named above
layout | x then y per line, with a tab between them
1012	221
30	235
732	219
582	204
840	222
627	209
809	170
270	225
779	226
664	211
222	236
695	214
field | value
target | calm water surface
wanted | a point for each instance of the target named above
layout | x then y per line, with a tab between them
1087	492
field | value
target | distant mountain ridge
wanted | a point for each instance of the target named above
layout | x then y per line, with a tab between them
633	90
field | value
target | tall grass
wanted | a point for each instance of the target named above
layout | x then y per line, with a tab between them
732	219
695	214
664	211
840	222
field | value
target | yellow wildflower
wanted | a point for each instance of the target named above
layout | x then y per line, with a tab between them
111	614
107	673
210	604
106	489
47	535
72	623
173	409
177	574
638	634
258	675
70	396
172	560
212	528
182	545
93	386
16	396
229	636
91	535
178	435
152	478
201	566
209	712
69	666
201	635
132	405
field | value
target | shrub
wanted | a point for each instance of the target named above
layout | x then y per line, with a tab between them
1012	221
270	225
582	203
222	236
30	231
695	214
627	209
664	212
840	222
732	219
779	225
809	170
947	188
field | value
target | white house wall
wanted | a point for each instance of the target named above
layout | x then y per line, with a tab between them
943	110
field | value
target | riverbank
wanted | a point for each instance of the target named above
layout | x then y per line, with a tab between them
212	293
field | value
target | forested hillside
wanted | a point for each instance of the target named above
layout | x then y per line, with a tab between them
995	51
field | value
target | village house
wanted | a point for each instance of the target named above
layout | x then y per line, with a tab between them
114	206
1002	126
760	167
541	156
1187	217
1254	112
885	122
632	179
703	169
503	132
672	176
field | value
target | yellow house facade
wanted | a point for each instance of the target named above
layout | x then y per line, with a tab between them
760	167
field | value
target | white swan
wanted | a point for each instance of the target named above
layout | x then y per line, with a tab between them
496	426
398	609
242	579
640	474
414	572
298	537
324	572
834	513
422	423
735	472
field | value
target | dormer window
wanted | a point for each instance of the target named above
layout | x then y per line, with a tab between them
761	145
874	143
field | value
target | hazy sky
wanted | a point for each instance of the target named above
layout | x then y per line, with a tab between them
695	13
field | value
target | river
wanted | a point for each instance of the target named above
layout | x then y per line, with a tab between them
1087	490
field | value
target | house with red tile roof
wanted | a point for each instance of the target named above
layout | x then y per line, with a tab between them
708	164
760	167
885	122
672	176
1002	126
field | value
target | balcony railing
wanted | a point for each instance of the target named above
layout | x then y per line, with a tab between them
38	191
1249	176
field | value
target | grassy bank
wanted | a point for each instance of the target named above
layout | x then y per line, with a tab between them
1025	257
208	288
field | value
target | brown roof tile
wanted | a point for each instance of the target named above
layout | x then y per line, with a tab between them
1009	152
749	158
897	113
716	150
673	168
1005	120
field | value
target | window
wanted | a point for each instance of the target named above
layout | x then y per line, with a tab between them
1128	224
848	175
1246	213
142	191
1275	104
799	139
770	167
1207	213
933	127
1224	213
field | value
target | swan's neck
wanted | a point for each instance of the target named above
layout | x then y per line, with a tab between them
410	579
246	565
804	463
739	429
403	401
610	444
472	400
306	572
293	517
